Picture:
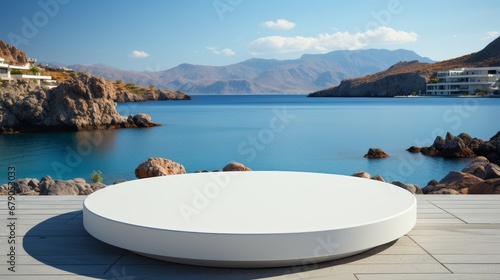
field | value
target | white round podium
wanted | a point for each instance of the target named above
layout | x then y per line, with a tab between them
249	219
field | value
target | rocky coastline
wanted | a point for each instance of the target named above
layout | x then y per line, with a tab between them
481	176
462	146
83	102
152	167
125	95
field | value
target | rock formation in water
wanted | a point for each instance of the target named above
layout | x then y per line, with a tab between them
375	153
83	102
464	146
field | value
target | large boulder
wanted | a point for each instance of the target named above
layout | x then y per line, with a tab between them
456	147
414	149
154	167
444	191
361	174
378	178
491	186
376	153
142	120
58	187
458	181
24	187
413	188
235	166
477	167
492	171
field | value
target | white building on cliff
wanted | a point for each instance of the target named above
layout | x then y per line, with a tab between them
465	81
6	69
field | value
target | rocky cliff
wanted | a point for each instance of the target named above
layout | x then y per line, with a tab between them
405	78
83	102
12	55
388	86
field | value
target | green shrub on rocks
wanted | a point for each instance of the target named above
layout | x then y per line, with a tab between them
96	177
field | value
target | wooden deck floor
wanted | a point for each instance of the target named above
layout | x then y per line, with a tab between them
456	237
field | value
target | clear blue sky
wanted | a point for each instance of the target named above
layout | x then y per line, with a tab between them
153	35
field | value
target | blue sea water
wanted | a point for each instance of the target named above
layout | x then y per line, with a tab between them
277	132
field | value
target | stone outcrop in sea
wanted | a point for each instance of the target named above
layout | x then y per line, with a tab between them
124	95
83	102
375	153
464	146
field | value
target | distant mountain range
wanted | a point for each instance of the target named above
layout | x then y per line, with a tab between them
309	73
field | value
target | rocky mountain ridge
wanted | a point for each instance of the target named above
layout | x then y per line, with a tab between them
310	72
410	77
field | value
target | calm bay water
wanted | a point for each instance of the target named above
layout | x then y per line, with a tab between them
289	132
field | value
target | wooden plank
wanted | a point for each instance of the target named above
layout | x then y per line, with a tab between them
468	259
480	218
452	247
474	268
390	276
460	239
435	216
440	221
61	270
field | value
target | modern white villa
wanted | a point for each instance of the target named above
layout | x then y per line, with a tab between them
460	81
6	69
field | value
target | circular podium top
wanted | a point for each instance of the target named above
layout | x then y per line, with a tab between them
250	202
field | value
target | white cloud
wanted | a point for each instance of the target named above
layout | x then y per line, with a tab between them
492	35
281	44
280	24
226	51
329	42
138	54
